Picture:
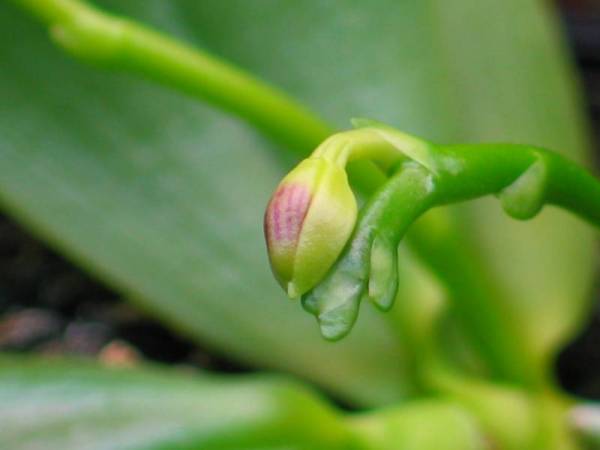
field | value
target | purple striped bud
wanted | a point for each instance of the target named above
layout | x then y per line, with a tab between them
307	223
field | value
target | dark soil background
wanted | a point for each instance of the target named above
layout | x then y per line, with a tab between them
49	306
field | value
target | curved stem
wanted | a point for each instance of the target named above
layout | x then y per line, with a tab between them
372	250
384	221
122	44
574	189
519	174
118	43
525	178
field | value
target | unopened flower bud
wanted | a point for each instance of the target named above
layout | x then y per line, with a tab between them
307	223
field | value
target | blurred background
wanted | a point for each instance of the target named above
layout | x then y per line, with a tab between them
50	307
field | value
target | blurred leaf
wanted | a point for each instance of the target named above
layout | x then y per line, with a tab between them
62	404
73	405
163	198
425	425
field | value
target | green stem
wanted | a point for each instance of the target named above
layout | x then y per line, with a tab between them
335	301
525	178
121	44
118	43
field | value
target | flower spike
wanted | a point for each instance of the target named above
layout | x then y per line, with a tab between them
320	251
307	223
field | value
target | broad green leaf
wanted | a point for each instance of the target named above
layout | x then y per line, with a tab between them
163	197
70	404
55	405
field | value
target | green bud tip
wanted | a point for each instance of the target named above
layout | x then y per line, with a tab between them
307	223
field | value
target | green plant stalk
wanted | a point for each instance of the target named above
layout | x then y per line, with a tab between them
524	178
388	216
119	43
408	193
519	174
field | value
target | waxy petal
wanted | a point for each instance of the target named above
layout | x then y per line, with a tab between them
283	223
307	223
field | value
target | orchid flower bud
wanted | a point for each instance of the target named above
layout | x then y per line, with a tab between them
307	223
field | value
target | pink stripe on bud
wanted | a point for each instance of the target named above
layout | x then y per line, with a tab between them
285	214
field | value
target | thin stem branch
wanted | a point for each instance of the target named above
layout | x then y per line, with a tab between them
122	44
524	178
